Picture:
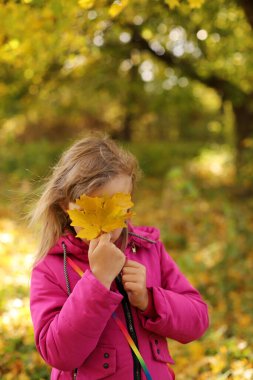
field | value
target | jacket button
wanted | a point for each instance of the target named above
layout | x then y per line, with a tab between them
106	355
158	351
106	365
156	341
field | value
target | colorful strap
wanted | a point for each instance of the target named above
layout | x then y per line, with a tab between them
132	345
121	326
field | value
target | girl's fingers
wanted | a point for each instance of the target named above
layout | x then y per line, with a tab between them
133	269
127	270
133	264
132	287
93	244
105	238
131	278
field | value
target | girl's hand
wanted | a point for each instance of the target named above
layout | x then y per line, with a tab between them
106	260
134	282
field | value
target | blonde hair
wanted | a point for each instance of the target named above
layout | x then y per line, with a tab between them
86	166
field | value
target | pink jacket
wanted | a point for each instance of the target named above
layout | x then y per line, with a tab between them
78	331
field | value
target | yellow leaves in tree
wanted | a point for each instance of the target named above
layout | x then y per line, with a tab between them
86	4
176	3
117	7
196	3
96	215
172	3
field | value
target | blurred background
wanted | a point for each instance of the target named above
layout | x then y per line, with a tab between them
172	81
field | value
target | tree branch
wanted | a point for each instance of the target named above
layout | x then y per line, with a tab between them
226	89
247	6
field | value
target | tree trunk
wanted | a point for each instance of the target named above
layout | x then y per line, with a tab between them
243	127
126	132
244	145
130	101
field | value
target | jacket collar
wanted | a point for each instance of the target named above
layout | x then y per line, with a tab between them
141	236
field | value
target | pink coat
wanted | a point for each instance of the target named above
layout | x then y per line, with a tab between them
78	331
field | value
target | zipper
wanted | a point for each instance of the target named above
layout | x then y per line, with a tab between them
130	326
133	247
141	237
75	374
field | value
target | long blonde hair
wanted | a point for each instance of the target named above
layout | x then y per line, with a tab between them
86	166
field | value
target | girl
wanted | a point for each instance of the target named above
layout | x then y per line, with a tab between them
104	308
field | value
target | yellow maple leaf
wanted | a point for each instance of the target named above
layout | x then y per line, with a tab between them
100	214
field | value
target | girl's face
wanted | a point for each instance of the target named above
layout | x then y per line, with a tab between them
120	184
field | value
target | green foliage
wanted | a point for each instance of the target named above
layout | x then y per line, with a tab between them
157	158
164	68
33	159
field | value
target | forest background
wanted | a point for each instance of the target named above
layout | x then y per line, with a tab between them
172	81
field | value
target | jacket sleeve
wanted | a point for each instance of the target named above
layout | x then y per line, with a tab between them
176	310
67	329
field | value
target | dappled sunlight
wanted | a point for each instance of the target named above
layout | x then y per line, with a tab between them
16	252
210	255
18	357
6	238
227	359
16	310
215	166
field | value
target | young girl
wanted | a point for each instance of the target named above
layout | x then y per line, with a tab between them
104	308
